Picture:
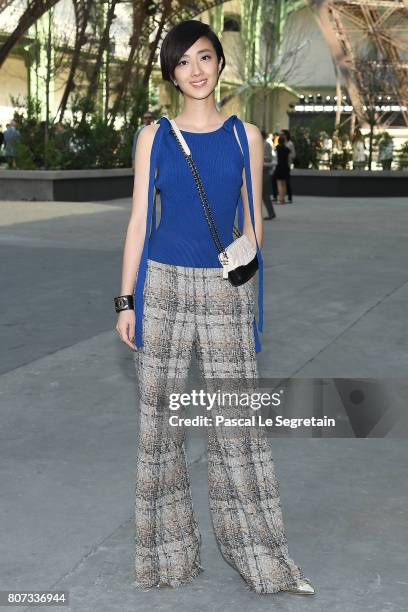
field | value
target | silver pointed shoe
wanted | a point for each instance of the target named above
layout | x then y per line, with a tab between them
303	587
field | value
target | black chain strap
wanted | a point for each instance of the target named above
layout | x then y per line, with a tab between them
204	201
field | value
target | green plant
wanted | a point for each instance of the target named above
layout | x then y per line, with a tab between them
24	157
402	156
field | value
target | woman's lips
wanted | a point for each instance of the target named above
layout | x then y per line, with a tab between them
200	83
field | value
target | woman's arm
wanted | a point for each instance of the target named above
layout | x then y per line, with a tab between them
256	154
136	230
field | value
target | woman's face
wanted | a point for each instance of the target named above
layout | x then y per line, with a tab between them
197	70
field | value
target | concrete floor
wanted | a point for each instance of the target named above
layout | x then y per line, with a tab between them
336	294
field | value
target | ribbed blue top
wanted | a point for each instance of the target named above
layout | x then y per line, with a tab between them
183	237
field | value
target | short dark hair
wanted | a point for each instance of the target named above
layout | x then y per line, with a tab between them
180	38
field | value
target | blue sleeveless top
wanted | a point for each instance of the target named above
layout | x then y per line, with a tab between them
183	237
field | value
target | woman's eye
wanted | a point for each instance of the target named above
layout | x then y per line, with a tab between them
181	61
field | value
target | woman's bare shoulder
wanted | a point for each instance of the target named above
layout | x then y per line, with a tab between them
148	132
145	140
252	131
153	127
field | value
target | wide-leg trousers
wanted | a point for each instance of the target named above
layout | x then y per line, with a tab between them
188	309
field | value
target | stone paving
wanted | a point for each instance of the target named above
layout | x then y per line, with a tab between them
336	294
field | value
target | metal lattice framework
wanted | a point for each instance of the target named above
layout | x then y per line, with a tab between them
348	24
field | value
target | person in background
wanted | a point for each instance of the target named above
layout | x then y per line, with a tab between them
267	182
275	140
61	139
385	151
337	155
271	140
359	152
147	120
348	151
325	148
292	154
11	137
281	172
2	155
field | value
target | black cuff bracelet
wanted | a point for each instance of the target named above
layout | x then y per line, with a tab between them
124	302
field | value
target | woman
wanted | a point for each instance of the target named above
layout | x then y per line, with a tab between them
183	303
385	151
281	173
359	152
292	155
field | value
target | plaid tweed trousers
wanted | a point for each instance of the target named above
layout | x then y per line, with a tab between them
188	309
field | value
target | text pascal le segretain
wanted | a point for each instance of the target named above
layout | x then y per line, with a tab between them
254	420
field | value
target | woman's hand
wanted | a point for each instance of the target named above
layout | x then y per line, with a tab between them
125	327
